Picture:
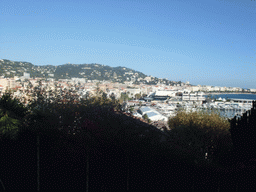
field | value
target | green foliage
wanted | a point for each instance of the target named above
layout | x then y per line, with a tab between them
12	114
9	126
200	132
12	107
243	131
124	97
137	96
145	116
131	109
104	96
97	88
113	97
89	71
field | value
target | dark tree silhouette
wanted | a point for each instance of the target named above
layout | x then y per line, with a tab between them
12	113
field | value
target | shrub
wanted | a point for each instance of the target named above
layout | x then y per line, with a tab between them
201	132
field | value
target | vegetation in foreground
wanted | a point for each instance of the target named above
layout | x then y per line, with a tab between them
205	135
91	145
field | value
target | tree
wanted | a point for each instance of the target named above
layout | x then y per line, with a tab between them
30	85
113	97
12	107
124	97
12	113
87	95
9	126
104	96
201	133
131	109
137	96
97	88
145	116
243	132
42	120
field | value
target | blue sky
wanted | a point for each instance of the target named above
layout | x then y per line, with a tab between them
209	42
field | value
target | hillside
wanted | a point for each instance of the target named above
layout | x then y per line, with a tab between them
87	71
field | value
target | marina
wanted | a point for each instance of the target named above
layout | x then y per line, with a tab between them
163	109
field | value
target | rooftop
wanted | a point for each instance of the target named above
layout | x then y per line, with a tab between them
150	114
145	109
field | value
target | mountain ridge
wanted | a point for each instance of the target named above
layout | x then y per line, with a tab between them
93	71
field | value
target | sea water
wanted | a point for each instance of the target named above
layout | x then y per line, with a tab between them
235	96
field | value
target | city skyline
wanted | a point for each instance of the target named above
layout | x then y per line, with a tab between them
206	43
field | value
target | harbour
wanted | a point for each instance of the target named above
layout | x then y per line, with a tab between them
165	108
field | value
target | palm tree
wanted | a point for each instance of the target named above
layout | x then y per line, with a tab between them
131	109
97	88
2	185
12	113
113	97
9	126
42	122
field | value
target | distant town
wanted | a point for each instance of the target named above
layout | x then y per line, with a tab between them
25	84
139	94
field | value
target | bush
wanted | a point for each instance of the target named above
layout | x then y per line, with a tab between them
200	133
12	113
145	116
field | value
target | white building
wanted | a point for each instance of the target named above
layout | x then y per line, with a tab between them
223	89
26	75
152	114
165	93
193	96
133	92
216	88
195	88
147	79
7	83
1	89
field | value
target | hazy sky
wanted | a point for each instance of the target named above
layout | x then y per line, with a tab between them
206	42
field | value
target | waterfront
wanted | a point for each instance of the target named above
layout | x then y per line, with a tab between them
239	104
231	111
234	96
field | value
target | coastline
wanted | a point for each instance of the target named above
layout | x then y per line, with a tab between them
228	93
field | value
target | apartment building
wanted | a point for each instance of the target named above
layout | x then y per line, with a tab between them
7	83
193	96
